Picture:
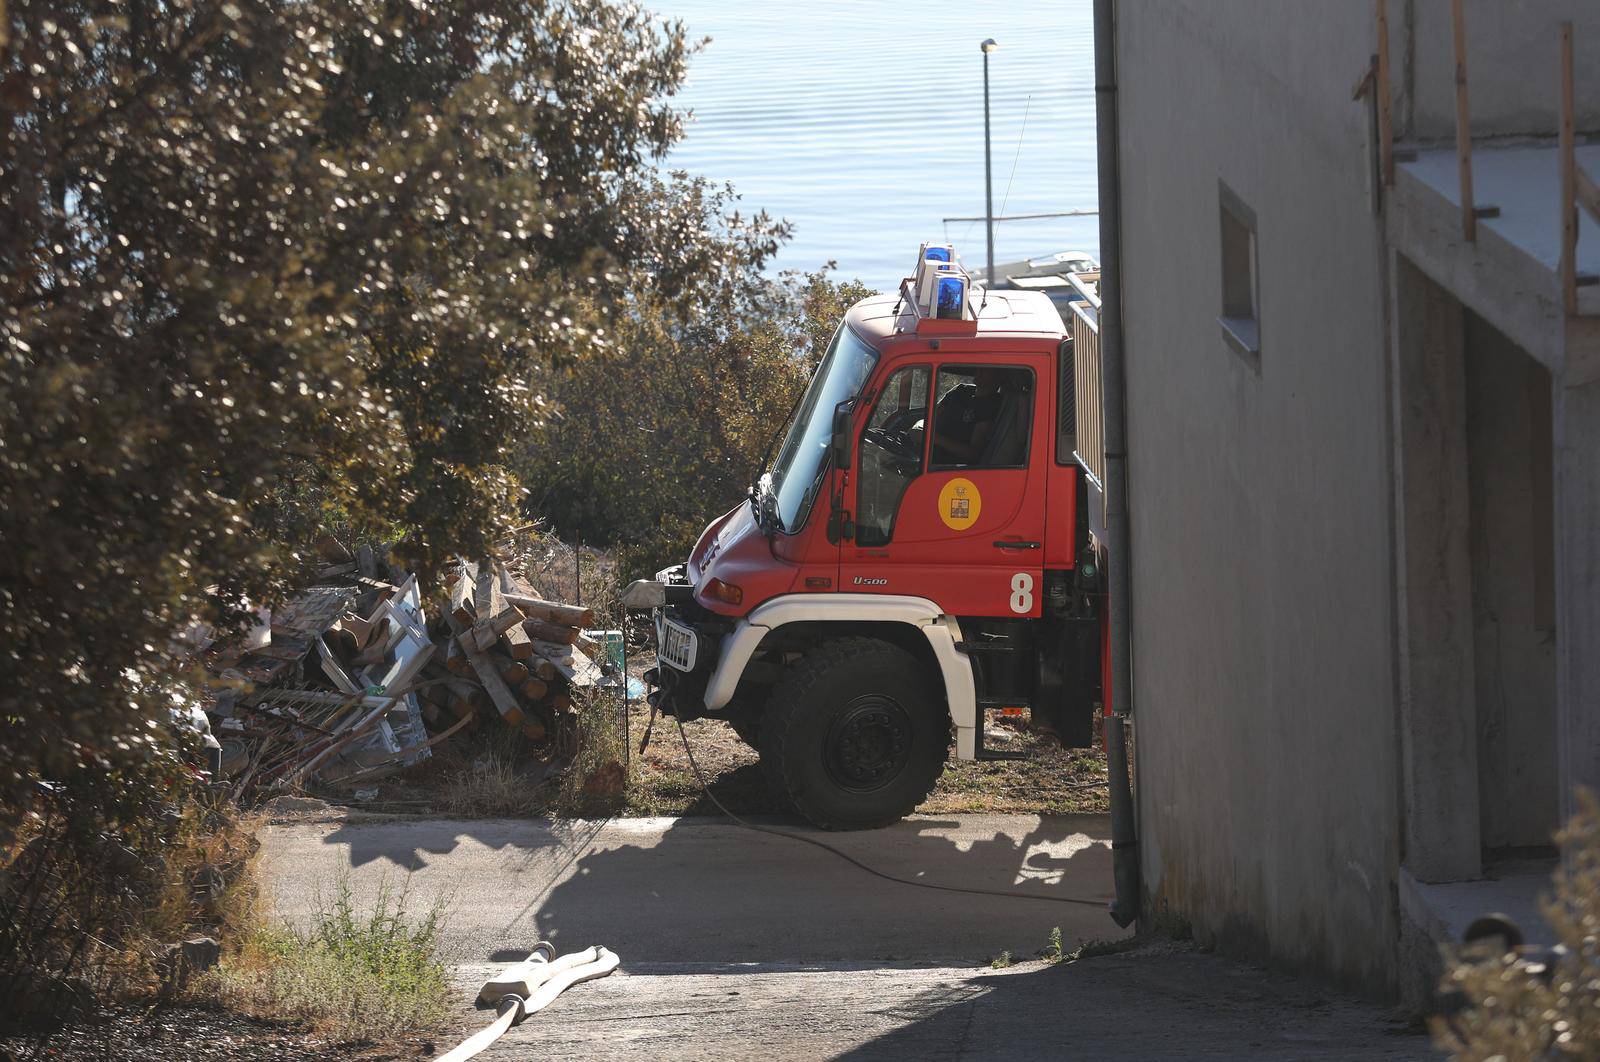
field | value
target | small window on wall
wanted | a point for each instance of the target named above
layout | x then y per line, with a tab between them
982	416
1240	318
891	453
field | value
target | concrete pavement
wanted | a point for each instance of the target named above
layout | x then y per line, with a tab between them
738	944
705	890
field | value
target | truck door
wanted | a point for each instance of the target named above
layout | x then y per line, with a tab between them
950	488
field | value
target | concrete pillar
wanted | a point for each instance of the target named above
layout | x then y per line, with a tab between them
1577	502
1438	721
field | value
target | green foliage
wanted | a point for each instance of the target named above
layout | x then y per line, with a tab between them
662	429
1052	948
1002	961
1539	1006
276	266
354	975
269	265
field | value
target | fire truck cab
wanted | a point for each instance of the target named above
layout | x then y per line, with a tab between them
916	560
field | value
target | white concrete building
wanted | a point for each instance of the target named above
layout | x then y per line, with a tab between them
1363	469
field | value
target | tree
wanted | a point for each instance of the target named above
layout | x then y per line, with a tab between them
313	248
663	428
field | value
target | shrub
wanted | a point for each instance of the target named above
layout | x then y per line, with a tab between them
1539	1006
661	430
169	861
354	976
274	266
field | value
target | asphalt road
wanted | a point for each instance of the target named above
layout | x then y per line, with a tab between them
737	944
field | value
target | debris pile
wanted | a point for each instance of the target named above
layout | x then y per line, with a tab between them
511	653
350	682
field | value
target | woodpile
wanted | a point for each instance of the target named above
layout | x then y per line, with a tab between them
509	654
350	681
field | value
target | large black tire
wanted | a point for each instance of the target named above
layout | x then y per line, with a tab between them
747	724
855	736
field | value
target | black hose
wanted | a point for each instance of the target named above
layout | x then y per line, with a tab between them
852	860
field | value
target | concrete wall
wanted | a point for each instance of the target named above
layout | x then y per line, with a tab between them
1262	617
1510	481
1512	65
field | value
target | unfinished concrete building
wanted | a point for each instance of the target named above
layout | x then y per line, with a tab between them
1362	338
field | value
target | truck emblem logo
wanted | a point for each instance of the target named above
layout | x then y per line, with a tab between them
960	504
867	580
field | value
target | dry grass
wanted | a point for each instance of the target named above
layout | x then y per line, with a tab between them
354	976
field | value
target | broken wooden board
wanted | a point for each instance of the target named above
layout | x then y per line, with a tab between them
463	595
514	639
500	695
552	611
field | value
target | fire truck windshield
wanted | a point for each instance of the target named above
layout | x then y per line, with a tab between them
790	489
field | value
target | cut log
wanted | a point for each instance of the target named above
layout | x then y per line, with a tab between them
534	730
515	641
515	672
589	647
534	689
546	631
551	611
543	668
462	707
559	702
579	671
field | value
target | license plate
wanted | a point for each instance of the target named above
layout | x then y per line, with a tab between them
678	645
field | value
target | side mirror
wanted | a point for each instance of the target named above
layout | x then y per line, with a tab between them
840	443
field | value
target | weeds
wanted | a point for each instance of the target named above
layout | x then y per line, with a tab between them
1091	949
352	976
1002	961
1051	952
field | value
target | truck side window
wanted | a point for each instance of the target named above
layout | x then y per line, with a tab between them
891	453
982	417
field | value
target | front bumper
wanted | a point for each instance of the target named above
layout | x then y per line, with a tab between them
677	692
682	693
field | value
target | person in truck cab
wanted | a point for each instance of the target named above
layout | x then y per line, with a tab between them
972	421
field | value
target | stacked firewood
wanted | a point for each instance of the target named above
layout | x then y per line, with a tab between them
509	654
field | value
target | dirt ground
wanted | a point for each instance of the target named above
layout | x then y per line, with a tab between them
661	782
491	772
196	1034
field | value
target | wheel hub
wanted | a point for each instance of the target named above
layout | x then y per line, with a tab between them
868	744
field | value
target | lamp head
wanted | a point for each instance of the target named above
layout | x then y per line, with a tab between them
989	45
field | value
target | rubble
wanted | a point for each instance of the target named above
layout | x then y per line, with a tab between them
354	682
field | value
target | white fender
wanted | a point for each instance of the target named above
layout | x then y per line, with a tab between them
942	632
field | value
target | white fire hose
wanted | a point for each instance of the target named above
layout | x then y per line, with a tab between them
529	987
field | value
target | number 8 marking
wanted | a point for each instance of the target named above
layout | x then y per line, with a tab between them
1022	592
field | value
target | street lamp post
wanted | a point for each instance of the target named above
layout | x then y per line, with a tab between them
988	46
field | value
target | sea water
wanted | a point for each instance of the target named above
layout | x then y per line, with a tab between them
862	124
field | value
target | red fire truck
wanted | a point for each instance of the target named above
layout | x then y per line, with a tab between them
916	559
